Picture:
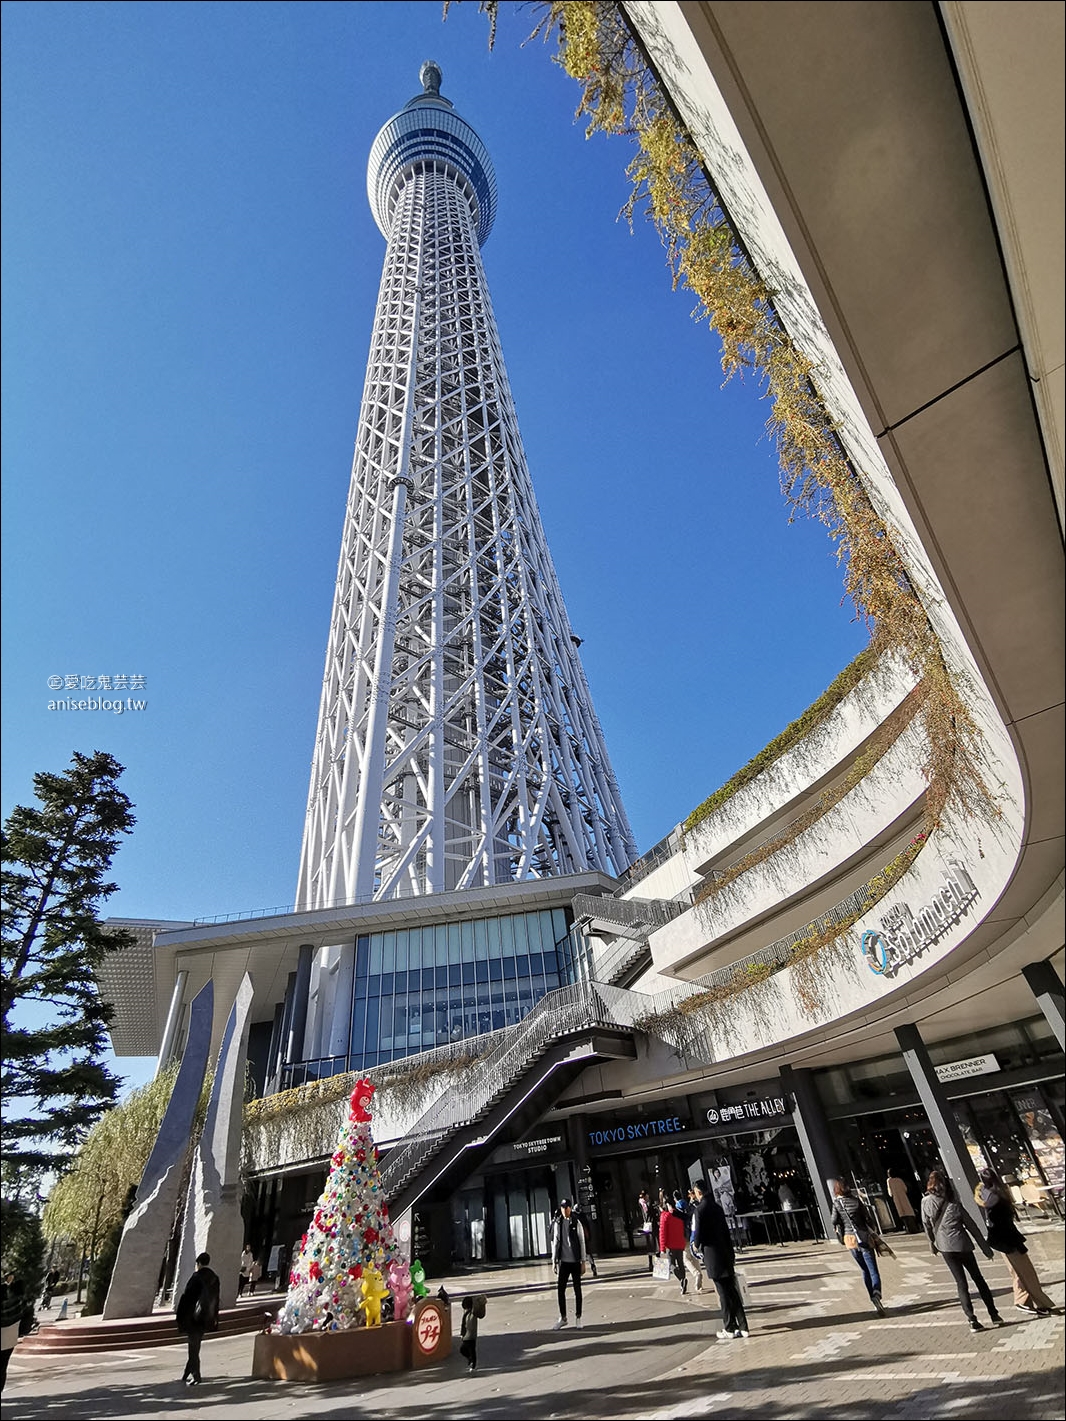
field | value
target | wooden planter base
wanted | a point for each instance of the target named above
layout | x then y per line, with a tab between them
359	1352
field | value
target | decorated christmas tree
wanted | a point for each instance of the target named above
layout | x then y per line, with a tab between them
348	1260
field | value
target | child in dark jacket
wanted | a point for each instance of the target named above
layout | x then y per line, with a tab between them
473	1311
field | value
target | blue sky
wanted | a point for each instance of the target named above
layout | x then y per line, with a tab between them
190	271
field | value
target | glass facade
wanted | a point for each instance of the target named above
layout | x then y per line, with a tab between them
416	988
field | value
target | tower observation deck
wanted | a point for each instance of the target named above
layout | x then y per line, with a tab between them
457	746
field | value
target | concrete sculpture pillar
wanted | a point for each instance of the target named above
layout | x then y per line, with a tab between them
144	1237
213	1205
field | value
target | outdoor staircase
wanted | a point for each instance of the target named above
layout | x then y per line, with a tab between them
628	922
92	1334
507	1091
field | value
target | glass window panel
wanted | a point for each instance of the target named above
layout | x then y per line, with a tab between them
505	928
522	967
481	971
531	926
387	983
455	944
358	1026
441	978
468	973
401	939
384	1041
466	934
536	963
440	945
509	968
399	982
372	1024
559	925
362	956
375	952
521	940
373	986
388	952
495	970
481	940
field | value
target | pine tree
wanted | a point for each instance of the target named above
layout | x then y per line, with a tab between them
350	1233
54	1085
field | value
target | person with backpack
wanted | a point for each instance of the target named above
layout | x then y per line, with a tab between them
568	1259
474	1308
951	1233
197	1313
856	1228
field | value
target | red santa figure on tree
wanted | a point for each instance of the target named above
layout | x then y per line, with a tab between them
350	1234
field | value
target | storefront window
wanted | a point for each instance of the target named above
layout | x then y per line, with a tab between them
1043	1135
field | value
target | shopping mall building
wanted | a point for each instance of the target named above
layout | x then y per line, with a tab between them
592	1036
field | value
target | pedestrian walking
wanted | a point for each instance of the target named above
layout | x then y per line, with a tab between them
1001	1219
255	1272
246	1265
568	1259
951	1233
711	1236
856	1228
685	1204
649	1227
197	1313
672	1241
12	1308
474	1308
586	1227
901	1202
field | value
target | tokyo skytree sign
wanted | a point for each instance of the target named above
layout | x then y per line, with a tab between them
457	745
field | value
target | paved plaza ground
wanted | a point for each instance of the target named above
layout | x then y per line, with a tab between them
816	1350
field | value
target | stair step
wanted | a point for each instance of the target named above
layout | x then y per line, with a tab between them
128	1334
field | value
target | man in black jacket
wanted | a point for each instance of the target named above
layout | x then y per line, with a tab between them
710	1236
197	1313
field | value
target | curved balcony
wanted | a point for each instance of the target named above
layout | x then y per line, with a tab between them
820	866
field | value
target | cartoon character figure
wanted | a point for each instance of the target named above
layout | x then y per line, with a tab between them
401	1288
360	1101
418	1280
373	1290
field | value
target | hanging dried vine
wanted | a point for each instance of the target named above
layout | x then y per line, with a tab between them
620	95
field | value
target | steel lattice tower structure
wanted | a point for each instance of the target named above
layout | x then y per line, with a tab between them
457	745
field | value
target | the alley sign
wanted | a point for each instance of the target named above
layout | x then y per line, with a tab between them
904	934
769	1106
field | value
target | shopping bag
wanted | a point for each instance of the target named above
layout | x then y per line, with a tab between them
744	1288
660	1267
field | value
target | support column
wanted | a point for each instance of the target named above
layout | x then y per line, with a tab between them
294	1041
1045	986
213	1222
170	1031
273	1069
816	1139
145	1232
956	1157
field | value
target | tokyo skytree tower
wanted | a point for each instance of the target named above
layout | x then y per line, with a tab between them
457	746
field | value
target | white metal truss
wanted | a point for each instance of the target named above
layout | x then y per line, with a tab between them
457	744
